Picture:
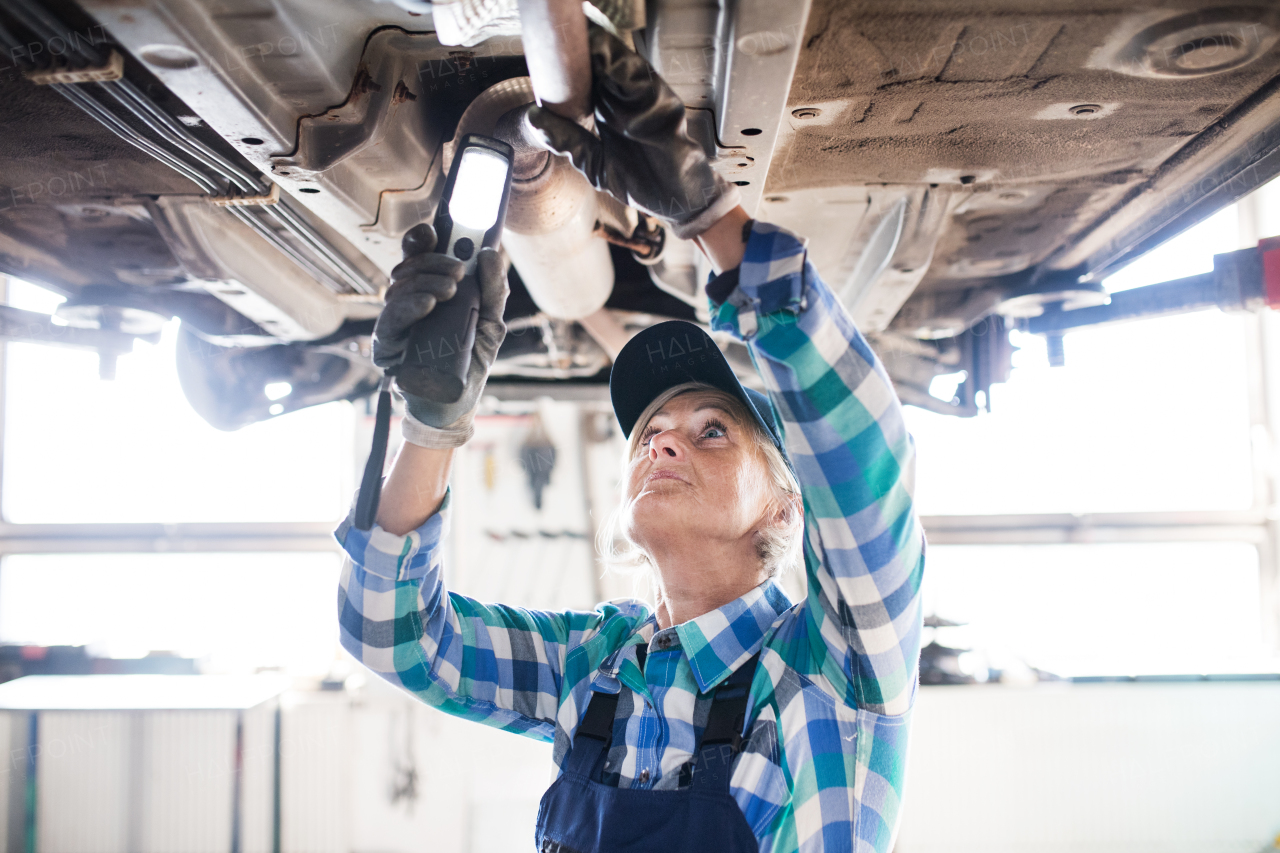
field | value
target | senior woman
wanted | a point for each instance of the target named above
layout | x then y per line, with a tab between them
725	718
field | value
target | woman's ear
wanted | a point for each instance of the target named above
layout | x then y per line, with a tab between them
788	510
783	515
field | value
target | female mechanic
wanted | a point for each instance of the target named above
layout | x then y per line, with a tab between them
725	718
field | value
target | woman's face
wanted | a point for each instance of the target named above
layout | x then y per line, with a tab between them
697	473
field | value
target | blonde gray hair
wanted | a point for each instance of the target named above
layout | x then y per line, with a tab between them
778	542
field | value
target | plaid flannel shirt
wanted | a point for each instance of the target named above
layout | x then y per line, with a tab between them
826	732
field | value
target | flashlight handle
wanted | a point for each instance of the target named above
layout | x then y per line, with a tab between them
438	357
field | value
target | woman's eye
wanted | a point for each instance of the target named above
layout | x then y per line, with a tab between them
646	435
714	431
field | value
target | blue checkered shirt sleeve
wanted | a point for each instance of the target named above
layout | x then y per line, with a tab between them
503	666
845	434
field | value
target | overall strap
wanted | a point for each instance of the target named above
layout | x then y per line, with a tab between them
594	734
722	737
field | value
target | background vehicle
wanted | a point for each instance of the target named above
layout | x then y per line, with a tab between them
250	165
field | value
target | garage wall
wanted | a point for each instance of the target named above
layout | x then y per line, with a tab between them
1048	768
1164	768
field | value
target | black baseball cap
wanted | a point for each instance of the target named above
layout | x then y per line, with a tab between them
671	354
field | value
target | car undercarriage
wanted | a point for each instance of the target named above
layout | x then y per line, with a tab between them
250	166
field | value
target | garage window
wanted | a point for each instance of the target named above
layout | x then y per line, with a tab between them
1111	517
82	450
1145	416
133	529
230	612
1100	609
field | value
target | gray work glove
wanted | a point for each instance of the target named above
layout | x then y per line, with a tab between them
643	156
417	284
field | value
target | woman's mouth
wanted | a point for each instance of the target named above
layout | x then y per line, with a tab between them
663	474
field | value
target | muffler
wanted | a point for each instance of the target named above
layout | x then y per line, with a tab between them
551	214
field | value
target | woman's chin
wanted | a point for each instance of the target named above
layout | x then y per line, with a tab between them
660	510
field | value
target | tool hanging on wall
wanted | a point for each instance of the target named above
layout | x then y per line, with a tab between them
538	458
470	217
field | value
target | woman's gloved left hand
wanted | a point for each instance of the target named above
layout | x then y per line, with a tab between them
418	283
644	156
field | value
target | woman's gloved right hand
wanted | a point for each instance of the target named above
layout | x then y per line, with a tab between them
643	156
418	284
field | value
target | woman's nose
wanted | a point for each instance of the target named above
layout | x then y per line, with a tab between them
667	444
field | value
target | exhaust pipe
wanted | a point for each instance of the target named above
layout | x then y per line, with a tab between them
558	55
553	210
554	33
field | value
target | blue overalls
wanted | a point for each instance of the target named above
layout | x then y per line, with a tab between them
580	814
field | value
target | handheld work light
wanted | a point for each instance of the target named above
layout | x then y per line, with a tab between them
469	218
